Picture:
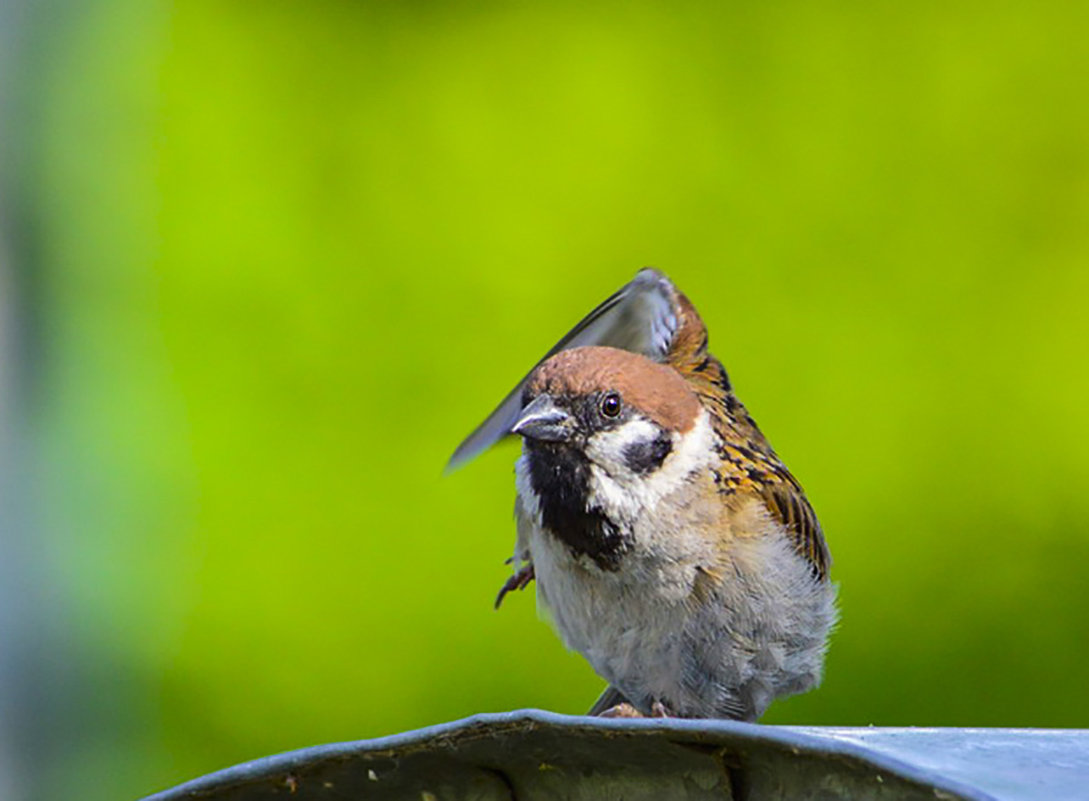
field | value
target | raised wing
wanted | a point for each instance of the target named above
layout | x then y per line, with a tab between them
642	317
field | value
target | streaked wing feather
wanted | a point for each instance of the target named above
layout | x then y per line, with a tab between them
639	317
787	501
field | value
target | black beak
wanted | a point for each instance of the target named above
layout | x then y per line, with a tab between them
544	420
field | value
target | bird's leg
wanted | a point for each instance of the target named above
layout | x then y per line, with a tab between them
518	581
658	710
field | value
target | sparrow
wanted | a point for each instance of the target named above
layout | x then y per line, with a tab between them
670	545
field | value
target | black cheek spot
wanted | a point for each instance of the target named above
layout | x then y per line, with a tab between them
643	457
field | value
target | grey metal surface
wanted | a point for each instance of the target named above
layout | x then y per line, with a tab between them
539	755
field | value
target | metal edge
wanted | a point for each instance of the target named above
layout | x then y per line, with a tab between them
781	737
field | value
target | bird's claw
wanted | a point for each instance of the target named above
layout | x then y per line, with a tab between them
518	581
626	710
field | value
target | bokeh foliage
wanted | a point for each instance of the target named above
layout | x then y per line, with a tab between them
287	254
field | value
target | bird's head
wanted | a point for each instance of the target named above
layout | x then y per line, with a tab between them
609	430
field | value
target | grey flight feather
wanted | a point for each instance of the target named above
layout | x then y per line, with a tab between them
639	317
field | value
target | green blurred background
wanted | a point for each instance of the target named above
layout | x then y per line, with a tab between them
266	264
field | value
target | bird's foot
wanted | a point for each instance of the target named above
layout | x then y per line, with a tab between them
626	710
518	581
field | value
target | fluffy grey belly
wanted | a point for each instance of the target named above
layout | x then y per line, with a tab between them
726	650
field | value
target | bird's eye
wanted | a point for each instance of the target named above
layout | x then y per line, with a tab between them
610	405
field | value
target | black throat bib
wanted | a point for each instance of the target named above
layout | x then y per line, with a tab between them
560	475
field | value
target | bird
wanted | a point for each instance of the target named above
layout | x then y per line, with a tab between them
670	545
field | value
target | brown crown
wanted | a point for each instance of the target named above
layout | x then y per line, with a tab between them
656	390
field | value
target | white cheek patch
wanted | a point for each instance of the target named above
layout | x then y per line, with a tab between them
623	494
608	448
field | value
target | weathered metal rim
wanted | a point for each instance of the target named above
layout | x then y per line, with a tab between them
724	732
